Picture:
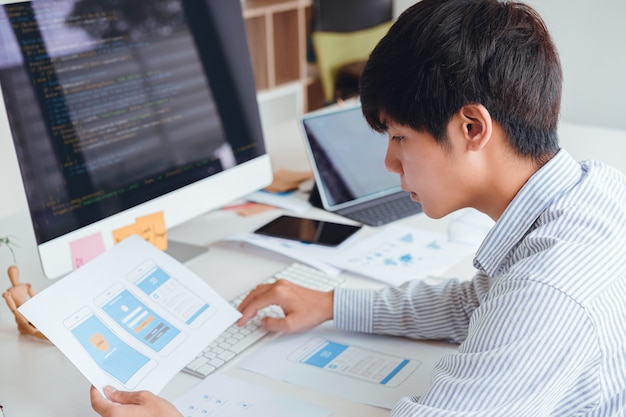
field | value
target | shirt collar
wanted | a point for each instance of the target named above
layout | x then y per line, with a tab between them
550	181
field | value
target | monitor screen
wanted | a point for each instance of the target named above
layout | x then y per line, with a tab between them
119	109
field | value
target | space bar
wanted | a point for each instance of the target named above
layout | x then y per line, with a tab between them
248	340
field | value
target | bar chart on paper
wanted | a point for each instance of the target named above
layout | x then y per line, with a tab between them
398	254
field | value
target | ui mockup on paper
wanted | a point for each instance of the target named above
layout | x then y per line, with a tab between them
132	317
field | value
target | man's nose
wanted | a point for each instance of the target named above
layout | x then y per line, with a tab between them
391	161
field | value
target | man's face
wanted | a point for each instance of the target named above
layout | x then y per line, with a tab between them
436	175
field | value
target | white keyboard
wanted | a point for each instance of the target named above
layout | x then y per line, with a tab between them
235	339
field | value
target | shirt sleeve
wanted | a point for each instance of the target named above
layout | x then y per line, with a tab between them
415	309
519	359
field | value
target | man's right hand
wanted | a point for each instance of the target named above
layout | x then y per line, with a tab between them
304	308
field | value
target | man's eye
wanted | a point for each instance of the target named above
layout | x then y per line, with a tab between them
397	138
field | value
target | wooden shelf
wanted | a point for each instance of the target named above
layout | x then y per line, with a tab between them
277	32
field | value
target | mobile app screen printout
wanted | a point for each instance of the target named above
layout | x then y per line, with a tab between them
113	356
170	294
356	362
139	321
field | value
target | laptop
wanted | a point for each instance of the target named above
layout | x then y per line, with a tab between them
347	158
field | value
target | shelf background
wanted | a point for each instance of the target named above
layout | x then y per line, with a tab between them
277	32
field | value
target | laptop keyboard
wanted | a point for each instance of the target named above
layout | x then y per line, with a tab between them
385	212
235	339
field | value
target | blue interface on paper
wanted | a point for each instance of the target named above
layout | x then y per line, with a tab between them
139	321
112	355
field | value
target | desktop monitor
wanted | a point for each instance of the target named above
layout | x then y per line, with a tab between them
121	109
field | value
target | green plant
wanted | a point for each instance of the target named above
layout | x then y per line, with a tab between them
10	244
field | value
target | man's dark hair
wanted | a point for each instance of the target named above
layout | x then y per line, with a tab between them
443	54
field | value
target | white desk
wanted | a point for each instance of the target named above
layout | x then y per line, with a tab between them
37	380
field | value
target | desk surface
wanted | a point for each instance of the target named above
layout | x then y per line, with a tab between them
37	380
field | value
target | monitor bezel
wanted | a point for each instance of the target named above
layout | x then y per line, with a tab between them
178	207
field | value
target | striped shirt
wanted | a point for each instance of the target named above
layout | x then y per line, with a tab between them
542	324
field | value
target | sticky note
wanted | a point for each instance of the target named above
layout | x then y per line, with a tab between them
85	249
150	227
123	232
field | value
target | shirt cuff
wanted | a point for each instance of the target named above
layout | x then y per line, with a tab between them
353	309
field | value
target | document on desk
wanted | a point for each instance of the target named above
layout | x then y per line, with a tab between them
397	254
224	396
370	369
394	254
313	255
131	318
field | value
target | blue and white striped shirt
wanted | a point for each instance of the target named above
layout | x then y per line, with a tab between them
542	325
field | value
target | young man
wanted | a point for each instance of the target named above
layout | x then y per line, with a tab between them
469	94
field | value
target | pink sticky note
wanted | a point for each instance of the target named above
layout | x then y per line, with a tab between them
85	249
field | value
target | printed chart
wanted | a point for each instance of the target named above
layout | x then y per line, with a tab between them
399	254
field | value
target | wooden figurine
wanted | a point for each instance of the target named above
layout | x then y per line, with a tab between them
17	295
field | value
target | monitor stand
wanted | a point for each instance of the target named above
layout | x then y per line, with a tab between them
184	252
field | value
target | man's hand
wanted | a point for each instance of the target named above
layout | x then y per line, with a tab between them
131	404
304	308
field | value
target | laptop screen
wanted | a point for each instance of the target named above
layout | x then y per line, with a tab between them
347	157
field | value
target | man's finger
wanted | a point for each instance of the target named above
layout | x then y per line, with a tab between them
276	324
259	298
254	294
250	311
126	397
98	402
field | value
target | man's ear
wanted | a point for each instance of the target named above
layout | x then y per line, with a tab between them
476	125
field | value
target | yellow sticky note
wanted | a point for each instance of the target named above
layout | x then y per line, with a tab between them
123	232
150	227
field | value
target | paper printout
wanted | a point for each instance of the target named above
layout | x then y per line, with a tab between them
393	255
313	255
397	254
130	318
224	396
469	226
370	369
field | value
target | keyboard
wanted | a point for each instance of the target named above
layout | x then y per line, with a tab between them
235	339
383	211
